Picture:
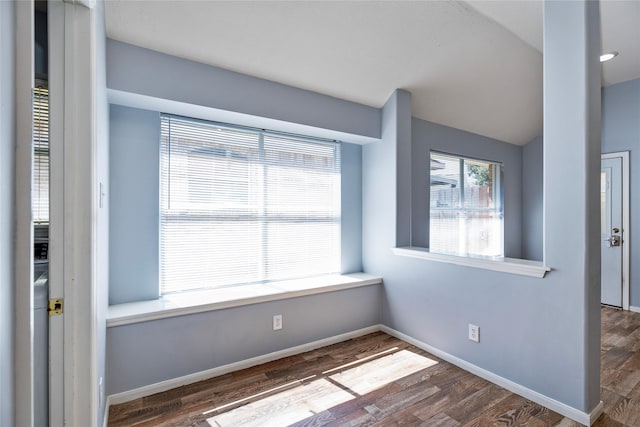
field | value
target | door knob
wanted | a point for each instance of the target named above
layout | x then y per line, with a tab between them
614	241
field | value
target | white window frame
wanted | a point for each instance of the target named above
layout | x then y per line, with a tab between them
497	186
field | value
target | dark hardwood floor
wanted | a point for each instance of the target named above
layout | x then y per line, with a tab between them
378	380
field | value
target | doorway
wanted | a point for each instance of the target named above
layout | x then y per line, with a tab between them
614	229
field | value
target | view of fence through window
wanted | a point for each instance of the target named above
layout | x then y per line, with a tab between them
466	209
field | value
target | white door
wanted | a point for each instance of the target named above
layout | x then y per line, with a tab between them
611	231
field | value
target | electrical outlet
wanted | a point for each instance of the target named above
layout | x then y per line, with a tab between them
277	322
474	333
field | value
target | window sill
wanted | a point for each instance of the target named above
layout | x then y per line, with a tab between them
521	267
218	299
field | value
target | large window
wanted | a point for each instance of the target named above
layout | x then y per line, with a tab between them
466	215
245	206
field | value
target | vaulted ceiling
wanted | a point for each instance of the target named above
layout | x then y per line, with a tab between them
474	65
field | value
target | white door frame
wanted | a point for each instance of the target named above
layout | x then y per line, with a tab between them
77	190
23	245
73	362
626	235
73	379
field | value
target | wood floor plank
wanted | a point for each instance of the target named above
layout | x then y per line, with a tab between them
392	403
606	421
514	410
358	418
614	358
474	404
435	404
379	380
440	420
566	422
621	381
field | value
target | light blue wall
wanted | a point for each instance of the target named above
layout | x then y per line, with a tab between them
7	154
434	302
150	352
351	207
621	132
134	142
145	353
134	209
532	169
546	322
199	90
134	149
430	136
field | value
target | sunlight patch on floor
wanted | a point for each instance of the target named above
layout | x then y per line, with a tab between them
377	373
360	361
286	407
301	399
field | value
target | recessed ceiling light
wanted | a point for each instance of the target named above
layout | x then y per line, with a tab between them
608	56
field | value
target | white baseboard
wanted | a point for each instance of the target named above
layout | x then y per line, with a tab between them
105	417
634	309
148	390
563	409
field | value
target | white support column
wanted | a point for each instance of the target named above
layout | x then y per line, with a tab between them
571	170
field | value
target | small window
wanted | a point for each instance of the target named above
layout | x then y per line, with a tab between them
242	206
466	206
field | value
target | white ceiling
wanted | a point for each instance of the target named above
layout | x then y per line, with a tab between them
477	68
620	30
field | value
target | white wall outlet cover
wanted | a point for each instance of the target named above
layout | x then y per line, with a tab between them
474	333
277	322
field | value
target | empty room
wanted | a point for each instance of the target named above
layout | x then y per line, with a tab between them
309	213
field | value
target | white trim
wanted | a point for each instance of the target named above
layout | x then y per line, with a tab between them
563	409
634	309
218	299
105	416
521	267
148	390
23	246
626	230
596	412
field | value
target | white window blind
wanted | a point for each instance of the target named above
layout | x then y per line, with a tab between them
466	216
40	191
245	206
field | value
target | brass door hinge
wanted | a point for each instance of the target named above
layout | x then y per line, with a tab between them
56	306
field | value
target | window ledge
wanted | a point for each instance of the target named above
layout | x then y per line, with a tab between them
218	299
522	267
